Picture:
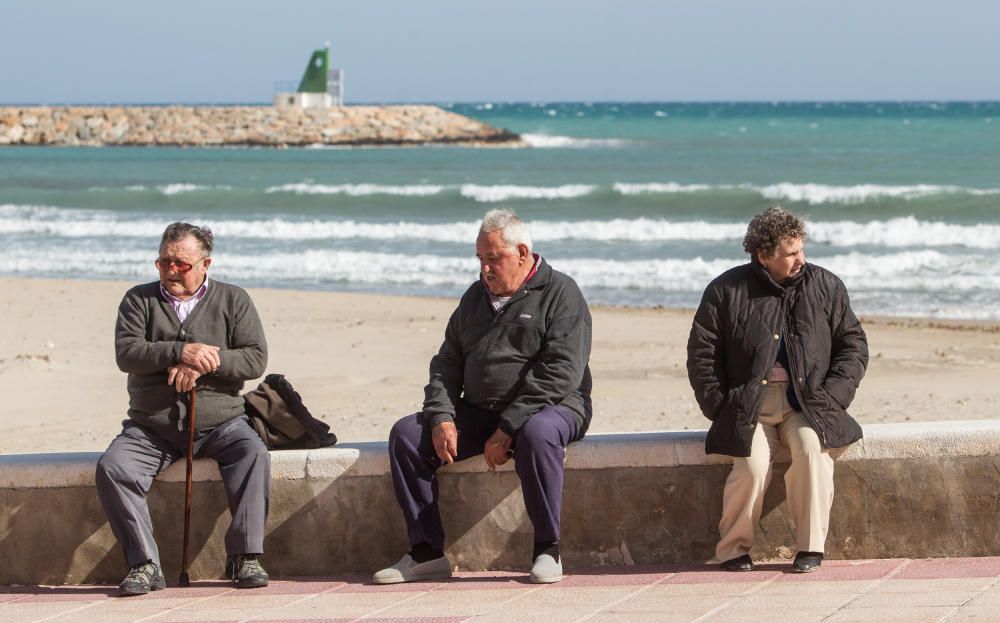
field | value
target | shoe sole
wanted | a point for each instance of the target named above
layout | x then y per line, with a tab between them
402	580
548	580
154	587
809	570
252	584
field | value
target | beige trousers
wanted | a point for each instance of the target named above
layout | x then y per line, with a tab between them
808	481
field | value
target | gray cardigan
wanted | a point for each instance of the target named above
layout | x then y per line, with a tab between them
531	355
149	339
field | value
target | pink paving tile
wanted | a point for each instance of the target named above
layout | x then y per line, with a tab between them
613	577
713	575
407	587
196	590
418	620
486	581
933	568
304	586
465	580
41	594
11	597
843	570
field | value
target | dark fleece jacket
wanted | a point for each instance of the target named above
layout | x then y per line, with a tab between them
531	355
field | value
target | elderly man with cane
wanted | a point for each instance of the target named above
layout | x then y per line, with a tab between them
184	336
511	380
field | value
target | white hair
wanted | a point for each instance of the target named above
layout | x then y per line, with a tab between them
512	228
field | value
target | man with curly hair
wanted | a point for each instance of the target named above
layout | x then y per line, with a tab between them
775	356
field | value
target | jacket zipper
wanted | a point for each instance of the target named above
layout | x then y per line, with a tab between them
795	380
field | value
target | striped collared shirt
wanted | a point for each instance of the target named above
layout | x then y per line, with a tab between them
498	302
183	308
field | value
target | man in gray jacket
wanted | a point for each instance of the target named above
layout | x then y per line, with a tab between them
182	334
511	380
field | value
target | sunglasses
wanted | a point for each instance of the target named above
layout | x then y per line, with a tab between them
178	266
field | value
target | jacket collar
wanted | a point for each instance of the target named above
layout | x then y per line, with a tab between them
541	278
764	277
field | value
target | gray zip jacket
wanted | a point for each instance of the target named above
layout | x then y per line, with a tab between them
149	339
531	355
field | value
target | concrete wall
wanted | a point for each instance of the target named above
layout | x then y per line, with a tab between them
906	490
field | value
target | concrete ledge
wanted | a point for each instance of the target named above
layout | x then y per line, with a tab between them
906	490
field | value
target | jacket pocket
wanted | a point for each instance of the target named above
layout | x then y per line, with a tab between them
518	341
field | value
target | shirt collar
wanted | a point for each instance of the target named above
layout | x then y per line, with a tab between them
198	294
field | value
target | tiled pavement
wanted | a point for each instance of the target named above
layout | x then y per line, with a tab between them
869	591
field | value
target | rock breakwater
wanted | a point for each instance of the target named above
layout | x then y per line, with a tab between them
264	126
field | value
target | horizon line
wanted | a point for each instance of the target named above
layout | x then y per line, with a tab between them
542	102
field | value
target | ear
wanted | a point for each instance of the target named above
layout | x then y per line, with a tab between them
523	252
761	258
207	262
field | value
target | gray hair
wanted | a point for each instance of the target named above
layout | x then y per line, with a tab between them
175	232
769	228
514	231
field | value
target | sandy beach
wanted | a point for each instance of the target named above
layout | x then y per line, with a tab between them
360	362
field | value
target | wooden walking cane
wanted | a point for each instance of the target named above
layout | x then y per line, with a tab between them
185	580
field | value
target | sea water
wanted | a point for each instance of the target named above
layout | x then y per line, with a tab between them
641	203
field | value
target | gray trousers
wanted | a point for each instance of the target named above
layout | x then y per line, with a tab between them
125	472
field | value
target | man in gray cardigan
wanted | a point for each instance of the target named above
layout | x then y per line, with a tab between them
186	333
511	381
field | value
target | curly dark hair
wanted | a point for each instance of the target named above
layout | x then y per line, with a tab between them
769	228
175	232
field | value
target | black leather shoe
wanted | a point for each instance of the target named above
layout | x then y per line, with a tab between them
806	562
142	578
742	563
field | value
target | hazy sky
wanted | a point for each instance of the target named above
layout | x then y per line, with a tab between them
451	51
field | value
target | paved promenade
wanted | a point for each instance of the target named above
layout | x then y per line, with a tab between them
869	591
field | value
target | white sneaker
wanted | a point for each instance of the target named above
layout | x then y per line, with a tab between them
409	570
546	570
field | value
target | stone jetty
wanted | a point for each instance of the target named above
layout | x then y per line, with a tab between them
245	126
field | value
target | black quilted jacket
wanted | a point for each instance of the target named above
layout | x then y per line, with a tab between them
734	341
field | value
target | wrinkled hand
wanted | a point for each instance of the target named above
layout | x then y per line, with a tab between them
496	449
445	438
182	377
202	357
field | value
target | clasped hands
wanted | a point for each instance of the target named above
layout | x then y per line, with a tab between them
496	451
196	360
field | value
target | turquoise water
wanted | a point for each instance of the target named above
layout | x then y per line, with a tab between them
642	203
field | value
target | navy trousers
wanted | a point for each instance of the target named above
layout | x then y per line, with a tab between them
539	451
126	471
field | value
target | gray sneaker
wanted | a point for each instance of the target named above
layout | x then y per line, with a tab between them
246	571
409	570
142	578
546	570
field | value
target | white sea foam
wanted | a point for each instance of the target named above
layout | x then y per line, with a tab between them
667	188
550	141
888	283
810	193
492	194
815	194
905	232
891	233
164	189
357	190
